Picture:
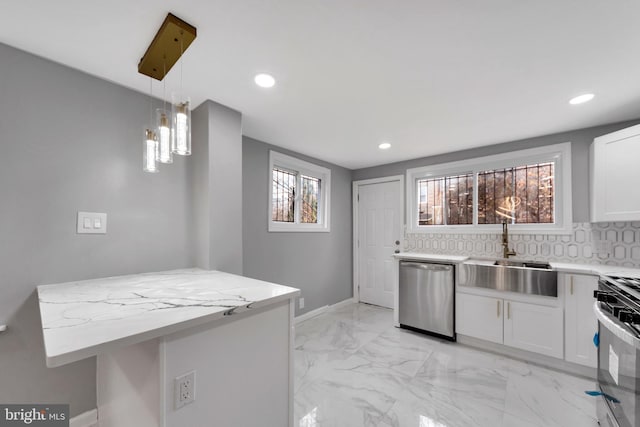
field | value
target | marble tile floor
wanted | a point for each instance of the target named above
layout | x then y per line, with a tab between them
353	368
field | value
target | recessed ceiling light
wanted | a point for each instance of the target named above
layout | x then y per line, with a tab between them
581	99
384	146
264	80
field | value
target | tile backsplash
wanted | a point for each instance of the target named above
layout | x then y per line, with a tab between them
615	243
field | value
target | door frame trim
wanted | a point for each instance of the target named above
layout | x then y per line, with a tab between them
354	202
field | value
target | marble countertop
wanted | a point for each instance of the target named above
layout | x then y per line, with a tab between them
563	267
85	318
431	257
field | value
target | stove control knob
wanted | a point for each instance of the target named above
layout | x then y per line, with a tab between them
617	309
629	317
606	297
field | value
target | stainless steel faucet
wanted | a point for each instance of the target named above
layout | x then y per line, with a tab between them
506	252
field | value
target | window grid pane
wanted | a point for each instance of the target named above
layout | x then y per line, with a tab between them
310	196
459	199
283	199
518	195
445	201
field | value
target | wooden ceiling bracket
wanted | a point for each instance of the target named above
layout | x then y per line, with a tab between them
171	41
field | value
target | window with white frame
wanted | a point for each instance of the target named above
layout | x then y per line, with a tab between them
529	189
299	194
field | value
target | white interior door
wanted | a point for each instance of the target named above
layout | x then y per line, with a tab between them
378	236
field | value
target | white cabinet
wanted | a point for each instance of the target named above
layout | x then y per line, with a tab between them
535	328
580	321
531	327
615	195
479	317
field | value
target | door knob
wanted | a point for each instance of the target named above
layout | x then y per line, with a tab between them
397	242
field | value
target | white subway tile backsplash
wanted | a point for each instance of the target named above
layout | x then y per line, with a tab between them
579	247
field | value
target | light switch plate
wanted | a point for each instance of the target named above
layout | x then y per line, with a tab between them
91	223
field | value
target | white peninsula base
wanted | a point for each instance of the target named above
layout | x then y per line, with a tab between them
243	375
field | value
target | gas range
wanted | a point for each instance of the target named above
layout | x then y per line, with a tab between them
620	296
618	314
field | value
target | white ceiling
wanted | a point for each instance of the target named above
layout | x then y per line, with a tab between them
429	76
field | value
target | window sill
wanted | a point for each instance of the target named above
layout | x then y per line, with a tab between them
491	229
298	228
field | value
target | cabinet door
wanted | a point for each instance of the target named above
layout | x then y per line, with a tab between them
535	328
580	321
615	195
479	317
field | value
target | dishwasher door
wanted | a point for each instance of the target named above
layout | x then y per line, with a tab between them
426	297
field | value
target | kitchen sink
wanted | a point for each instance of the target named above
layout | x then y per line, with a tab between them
525	277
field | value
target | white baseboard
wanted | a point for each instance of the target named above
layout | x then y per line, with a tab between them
308	315
86	419
318	311
342	303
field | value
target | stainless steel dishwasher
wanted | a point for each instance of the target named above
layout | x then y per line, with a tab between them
426	298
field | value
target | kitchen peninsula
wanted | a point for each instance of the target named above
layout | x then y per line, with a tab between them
147	330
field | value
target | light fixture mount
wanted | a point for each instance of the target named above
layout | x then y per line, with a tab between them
171	41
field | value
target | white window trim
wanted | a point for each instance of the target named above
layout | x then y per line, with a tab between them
560	154
304	168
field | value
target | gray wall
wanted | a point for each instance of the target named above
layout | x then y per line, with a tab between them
216	176
72	142
317	263
580	142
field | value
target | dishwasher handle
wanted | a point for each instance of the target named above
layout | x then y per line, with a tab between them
425	266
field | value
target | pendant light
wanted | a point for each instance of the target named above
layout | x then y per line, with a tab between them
150	150
163	130
150	142
171	130
181	125
181	116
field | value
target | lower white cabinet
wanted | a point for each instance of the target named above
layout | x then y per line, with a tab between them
531	327
479	317
535	328
580	321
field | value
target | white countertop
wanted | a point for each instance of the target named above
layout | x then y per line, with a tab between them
431	257
563	267
86	318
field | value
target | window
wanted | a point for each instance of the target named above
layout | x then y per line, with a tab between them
530	189
518	195
298	194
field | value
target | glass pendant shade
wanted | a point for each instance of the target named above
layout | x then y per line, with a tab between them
163	130
150	151
181	126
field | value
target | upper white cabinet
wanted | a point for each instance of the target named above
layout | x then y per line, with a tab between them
580	321
615	193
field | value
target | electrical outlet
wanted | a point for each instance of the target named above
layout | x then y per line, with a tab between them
301	303
185	389
603	247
